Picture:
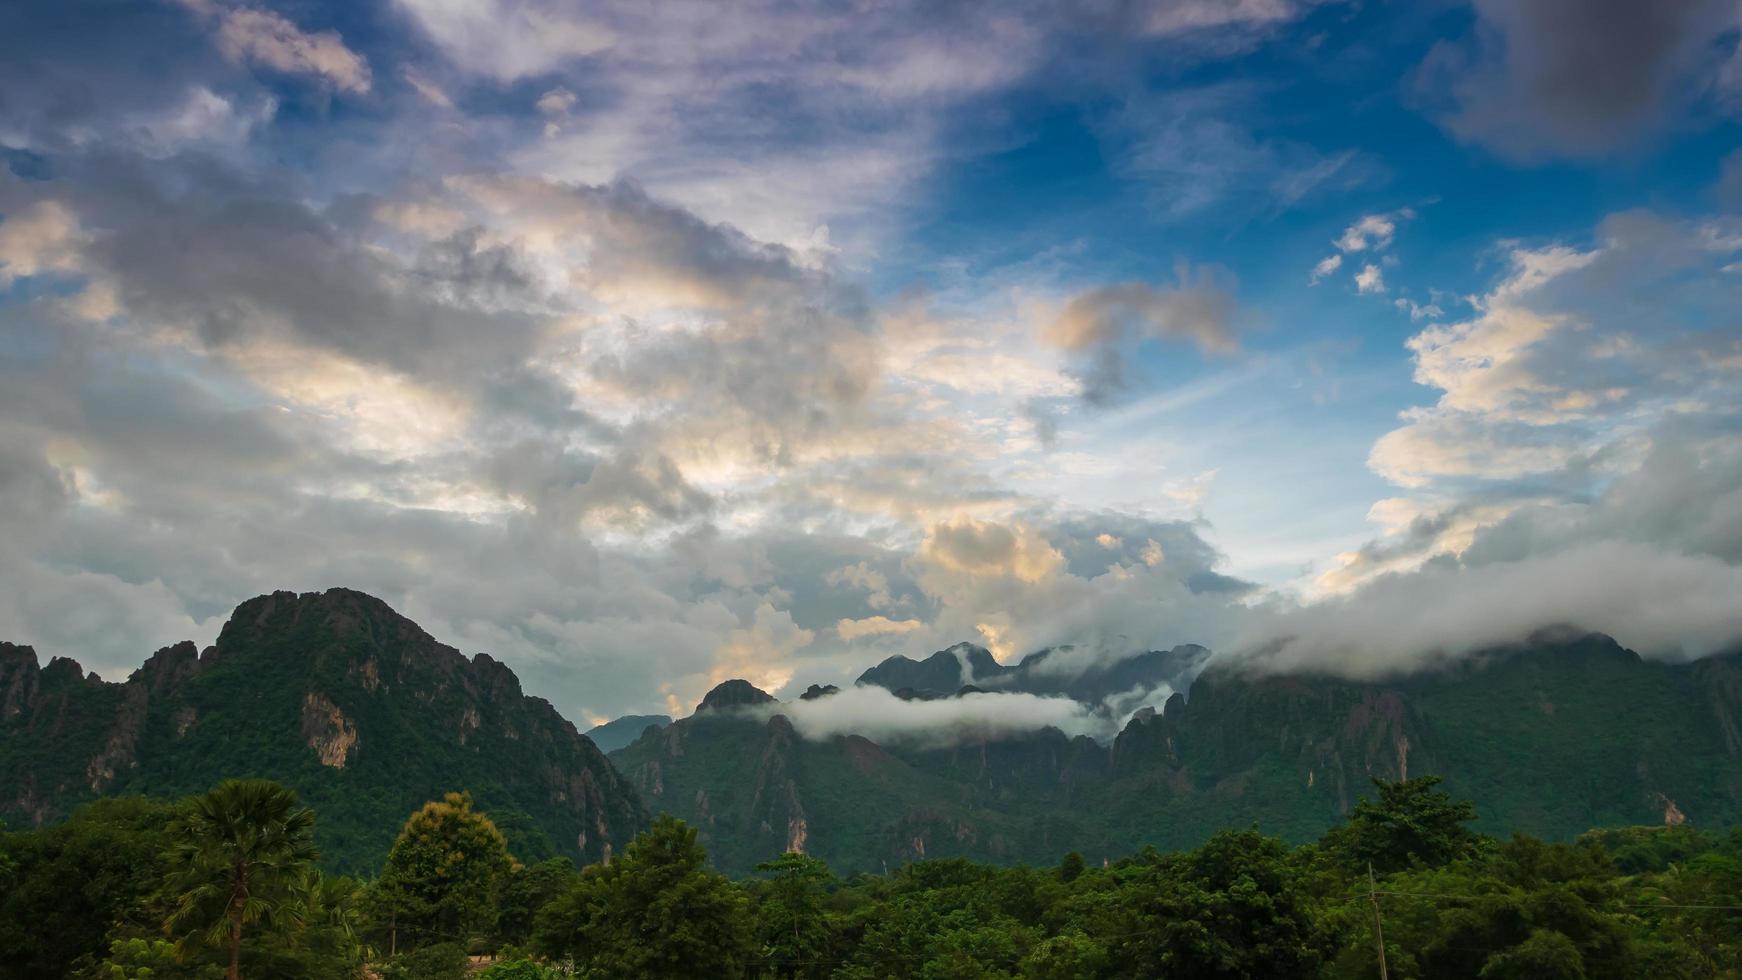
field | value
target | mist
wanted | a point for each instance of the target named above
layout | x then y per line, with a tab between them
1664	605
882	717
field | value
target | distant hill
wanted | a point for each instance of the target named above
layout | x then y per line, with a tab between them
1549	737
618	732
337	696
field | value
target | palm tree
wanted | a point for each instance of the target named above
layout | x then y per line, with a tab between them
242	851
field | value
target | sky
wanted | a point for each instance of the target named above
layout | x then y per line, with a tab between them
646	345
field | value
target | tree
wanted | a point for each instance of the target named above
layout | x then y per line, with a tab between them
1236	907
524	892
1411	823
443	875
240	852
655	913
792	924
74	881
1546	955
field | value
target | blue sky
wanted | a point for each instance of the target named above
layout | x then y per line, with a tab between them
650	345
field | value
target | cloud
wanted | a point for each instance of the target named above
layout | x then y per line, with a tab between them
1579	468
854	629
986	548
1180	16
1105	324
1374	231
557	101
1548	78
1197	148
426	88
41	239
1369	280
1326	266
872	712
510	40
1662	604
246	34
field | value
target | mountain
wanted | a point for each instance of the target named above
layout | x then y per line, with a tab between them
1053	671
332	693
618	732
1550	737
943	672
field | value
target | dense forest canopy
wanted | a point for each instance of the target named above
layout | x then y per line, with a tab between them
225	884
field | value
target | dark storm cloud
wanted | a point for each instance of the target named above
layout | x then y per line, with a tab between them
1579	77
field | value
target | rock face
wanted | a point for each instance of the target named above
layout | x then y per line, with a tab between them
337	696
1553	736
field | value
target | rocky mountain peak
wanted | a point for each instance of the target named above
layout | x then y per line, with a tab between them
734	693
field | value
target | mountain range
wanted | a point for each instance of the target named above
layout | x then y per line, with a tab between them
1551	736
367	716
334	694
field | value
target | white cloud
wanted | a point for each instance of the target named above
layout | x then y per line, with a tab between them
1660	603
429	90
1326	266
1369	280
246	34
876	714
1373	231
854	629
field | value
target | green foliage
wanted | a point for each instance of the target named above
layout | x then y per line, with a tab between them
791	919
72	882
443	877
518	970
240	857
149	959
656	912
524	892
1546	955
437	961
1237	907
1642	902
425	720
1411	824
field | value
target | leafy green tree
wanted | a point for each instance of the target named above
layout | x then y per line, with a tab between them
792	923
1236	907
240	852
443	876
524	892
655	913
1546	955
1411	823
1070	955
73	882
1071	868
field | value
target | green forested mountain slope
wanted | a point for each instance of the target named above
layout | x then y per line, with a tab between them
1551	738
366	716
334	694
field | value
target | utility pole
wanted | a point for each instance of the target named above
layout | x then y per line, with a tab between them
1378	927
